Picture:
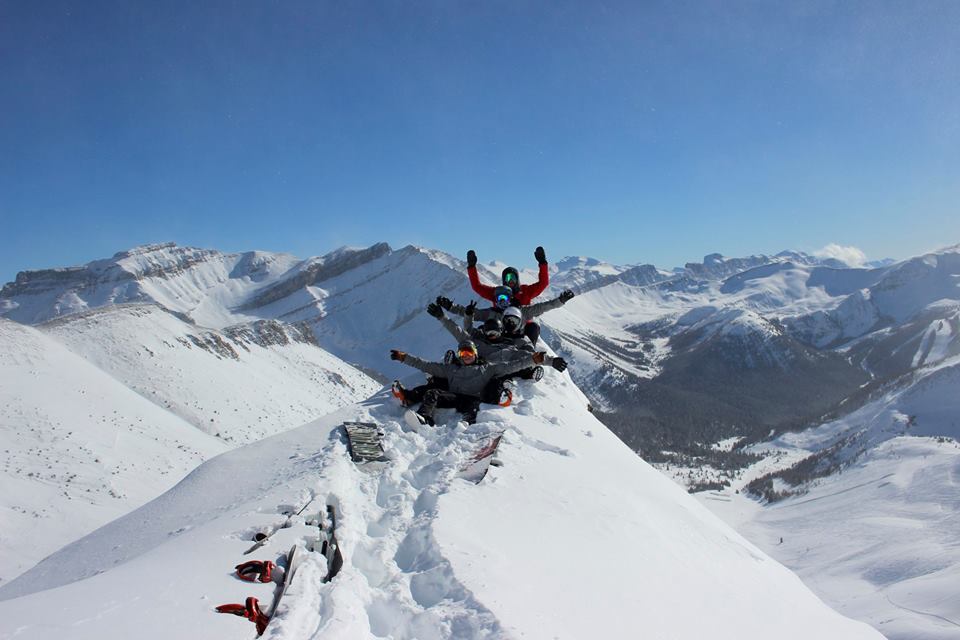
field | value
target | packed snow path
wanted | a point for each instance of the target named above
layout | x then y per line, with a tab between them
574	537
396	582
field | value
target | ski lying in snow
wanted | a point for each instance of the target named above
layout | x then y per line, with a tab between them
363	442
293	559
475	469
327	545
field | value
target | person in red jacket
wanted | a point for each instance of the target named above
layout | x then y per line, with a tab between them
523	294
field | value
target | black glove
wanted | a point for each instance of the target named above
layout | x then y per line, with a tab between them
444	303
559	364
435	310
566	296
397	355
471	258
470	308
540	255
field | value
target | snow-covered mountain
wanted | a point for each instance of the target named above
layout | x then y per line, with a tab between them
725	350
241	384
570	534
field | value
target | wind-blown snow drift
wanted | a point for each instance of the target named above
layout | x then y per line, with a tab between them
574	537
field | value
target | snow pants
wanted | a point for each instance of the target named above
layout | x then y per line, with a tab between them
434	399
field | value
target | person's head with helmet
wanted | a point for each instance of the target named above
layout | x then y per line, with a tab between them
467	353
492	328
512	320
511	278
502	297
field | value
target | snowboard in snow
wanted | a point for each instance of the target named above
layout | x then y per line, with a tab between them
476	467
363	442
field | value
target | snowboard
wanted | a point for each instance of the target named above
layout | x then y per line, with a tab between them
476	467
363	442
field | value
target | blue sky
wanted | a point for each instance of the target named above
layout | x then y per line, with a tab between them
633	132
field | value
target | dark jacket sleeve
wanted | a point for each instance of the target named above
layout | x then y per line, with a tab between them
433	368
530	291
541	308
483	290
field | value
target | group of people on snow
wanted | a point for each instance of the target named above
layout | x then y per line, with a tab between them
494	345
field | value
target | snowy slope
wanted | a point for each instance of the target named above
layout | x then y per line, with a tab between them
79	448
573	537
240	384
878	541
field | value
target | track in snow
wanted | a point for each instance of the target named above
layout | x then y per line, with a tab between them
395	582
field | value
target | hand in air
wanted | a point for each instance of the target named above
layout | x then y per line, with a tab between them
566	296
470	308
471	258
444	303
397	355
435	310
540	255
559	364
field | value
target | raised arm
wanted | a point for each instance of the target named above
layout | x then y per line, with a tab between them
531	291
483	290
437	312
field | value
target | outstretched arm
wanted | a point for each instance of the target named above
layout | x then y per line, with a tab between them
432	368
541	308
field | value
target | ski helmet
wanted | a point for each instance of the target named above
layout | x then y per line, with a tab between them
511	278
493	328
512	319
502	297
467	352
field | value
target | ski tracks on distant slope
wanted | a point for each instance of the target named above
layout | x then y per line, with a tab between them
395	581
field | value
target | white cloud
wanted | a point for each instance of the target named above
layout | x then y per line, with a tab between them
849	255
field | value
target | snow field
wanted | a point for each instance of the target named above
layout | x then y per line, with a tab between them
573	537
78	448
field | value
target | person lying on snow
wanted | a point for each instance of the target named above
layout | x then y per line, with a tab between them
523	294
504	300
468	380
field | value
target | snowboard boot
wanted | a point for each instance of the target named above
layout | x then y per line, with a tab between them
399	393
506	394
